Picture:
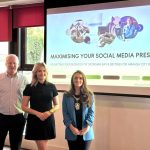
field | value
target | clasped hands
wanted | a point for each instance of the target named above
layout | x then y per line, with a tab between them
80	132
43	115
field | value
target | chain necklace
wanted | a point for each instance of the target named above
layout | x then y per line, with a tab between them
77	104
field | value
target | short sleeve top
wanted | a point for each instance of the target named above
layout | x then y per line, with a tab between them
41	95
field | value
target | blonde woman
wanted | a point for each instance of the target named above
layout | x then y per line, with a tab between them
43	99
78	113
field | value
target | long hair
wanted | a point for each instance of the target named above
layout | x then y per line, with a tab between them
85	92
34	72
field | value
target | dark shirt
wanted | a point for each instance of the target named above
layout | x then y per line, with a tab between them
79	114
41	95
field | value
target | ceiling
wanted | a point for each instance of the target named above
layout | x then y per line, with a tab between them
6	3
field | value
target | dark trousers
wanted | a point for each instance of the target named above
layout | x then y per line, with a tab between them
79	144
14	124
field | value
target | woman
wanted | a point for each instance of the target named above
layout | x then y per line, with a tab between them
43	98
78	113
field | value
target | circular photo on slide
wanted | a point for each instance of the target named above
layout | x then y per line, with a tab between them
79	32
129	28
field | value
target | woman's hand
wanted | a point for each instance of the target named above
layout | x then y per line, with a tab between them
84	130
74	130
43	115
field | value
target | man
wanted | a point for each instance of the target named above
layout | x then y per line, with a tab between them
12	120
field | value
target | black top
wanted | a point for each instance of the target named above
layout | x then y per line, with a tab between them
79	113
41	95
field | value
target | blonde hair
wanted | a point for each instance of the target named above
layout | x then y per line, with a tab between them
34	72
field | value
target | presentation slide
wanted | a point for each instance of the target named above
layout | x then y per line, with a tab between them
111	45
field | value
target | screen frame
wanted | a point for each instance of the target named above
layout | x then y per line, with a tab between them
101	90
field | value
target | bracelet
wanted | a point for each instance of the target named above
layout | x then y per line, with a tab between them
52	110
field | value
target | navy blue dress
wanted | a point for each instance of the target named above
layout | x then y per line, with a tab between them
41	97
